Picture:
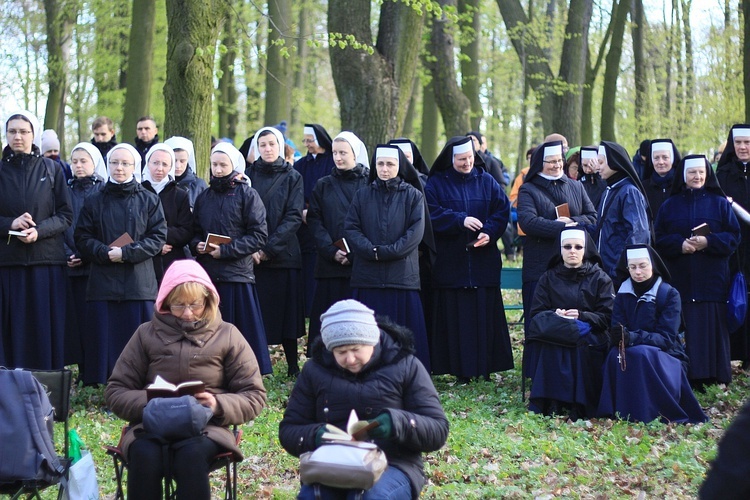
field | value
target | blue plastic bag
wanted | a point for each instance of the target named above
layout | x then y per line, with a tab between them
737	302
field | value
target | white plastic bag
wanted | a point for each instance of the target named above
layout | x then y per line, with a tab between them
82	484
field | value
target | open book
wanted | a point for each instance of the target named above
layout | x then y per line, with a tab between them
356	430
163	389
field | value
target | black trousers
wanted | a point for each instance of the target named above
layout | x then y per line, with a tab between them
188	463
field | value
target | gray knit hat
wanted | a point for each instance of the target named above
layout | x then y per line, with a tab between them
348	322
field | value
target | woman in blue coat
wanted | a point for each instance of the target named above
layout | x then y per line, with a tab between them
469	212
699	264
367	366
384	226
230	207
645	372
623	215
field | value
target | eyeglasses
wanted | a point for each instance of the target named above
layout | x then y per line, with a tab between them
179	309
159	164
308	141
13	132
123	164
554	162
571	247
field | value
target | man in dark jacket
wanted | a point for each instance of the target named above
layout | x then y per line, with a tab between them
147	134
368	367
104	135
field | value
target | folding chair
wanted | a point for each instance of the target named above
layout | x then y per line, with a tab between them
57	384
223	460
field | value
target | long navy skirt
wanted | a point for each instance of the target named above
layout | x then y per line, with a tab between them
568	374
707	341
32	321
109	327
239	305
75	321
470	336
404	308
653	385
328	291
282	303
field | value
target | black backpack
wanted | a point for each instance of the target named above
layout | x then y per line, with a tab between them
27	452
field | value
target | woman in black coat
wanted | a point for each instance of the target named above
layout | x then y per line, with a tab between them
278	263
184	169
659	172
34	200
370	369
545	188
574	292
158	177
384	226
592	182
120	229
230	207
329	203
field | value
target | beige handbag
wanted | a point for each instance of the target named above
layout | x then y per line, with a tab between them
345	464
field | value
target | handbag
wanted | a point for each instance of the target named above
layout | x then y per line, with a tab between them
347	464
175	419
547	326
737	302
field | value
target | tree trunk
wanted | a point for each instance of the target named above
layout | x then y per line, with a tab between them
278	102
374	88
112	27
455	107
746	56
140	64
569	103
471	35
227	88
689	65
408	128
638	30
193	31
612	71
60	15
251	66
430	122
300	68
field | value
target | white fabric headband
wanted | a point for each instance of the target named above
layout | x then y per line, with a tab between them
405	147
386	152
573	234
552	150
693	163
311	131
740	132
660	146
587	154
466	147
603	152
638	253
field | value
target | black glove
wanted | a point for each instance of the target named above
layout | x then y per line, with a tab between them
618	333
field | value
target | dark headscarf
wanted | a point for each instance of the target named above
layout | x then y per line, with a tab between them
656	264
410	175
590	253
324	140
537	159
729	154
618	159
648	169
416	156
245	149
711	184
444	161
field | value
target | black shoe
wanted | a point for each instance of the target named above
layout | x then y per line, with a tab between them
292	372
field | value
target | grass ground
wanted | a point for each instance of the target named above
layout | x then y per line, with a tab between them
496	449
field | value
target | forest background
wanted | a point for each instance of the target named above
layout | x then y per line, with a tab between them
622	70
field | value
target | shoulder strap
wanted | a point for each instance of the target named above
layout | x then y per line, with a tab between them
276	183
340	193
34	399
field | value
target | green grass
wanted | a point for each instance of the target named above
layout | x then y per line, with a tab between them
496	449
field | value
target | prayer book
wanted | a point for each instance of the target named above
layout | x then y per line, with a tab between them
562	210
13	232
163	389
356	429
122	240
217	239
342	245
701	230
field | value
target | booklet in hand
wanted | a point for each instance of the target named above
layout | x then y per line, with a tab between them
356	429
701	230
163	389
216	239
122	240
342	245
562	210
13	232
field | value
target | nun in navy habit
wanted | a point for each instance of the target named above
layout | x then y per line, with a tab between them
317	163
659	172
645	372
699	264
329	203
732	173
469	212
230	207
624	217
573	290
384	227
34	200
278	263
119	231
